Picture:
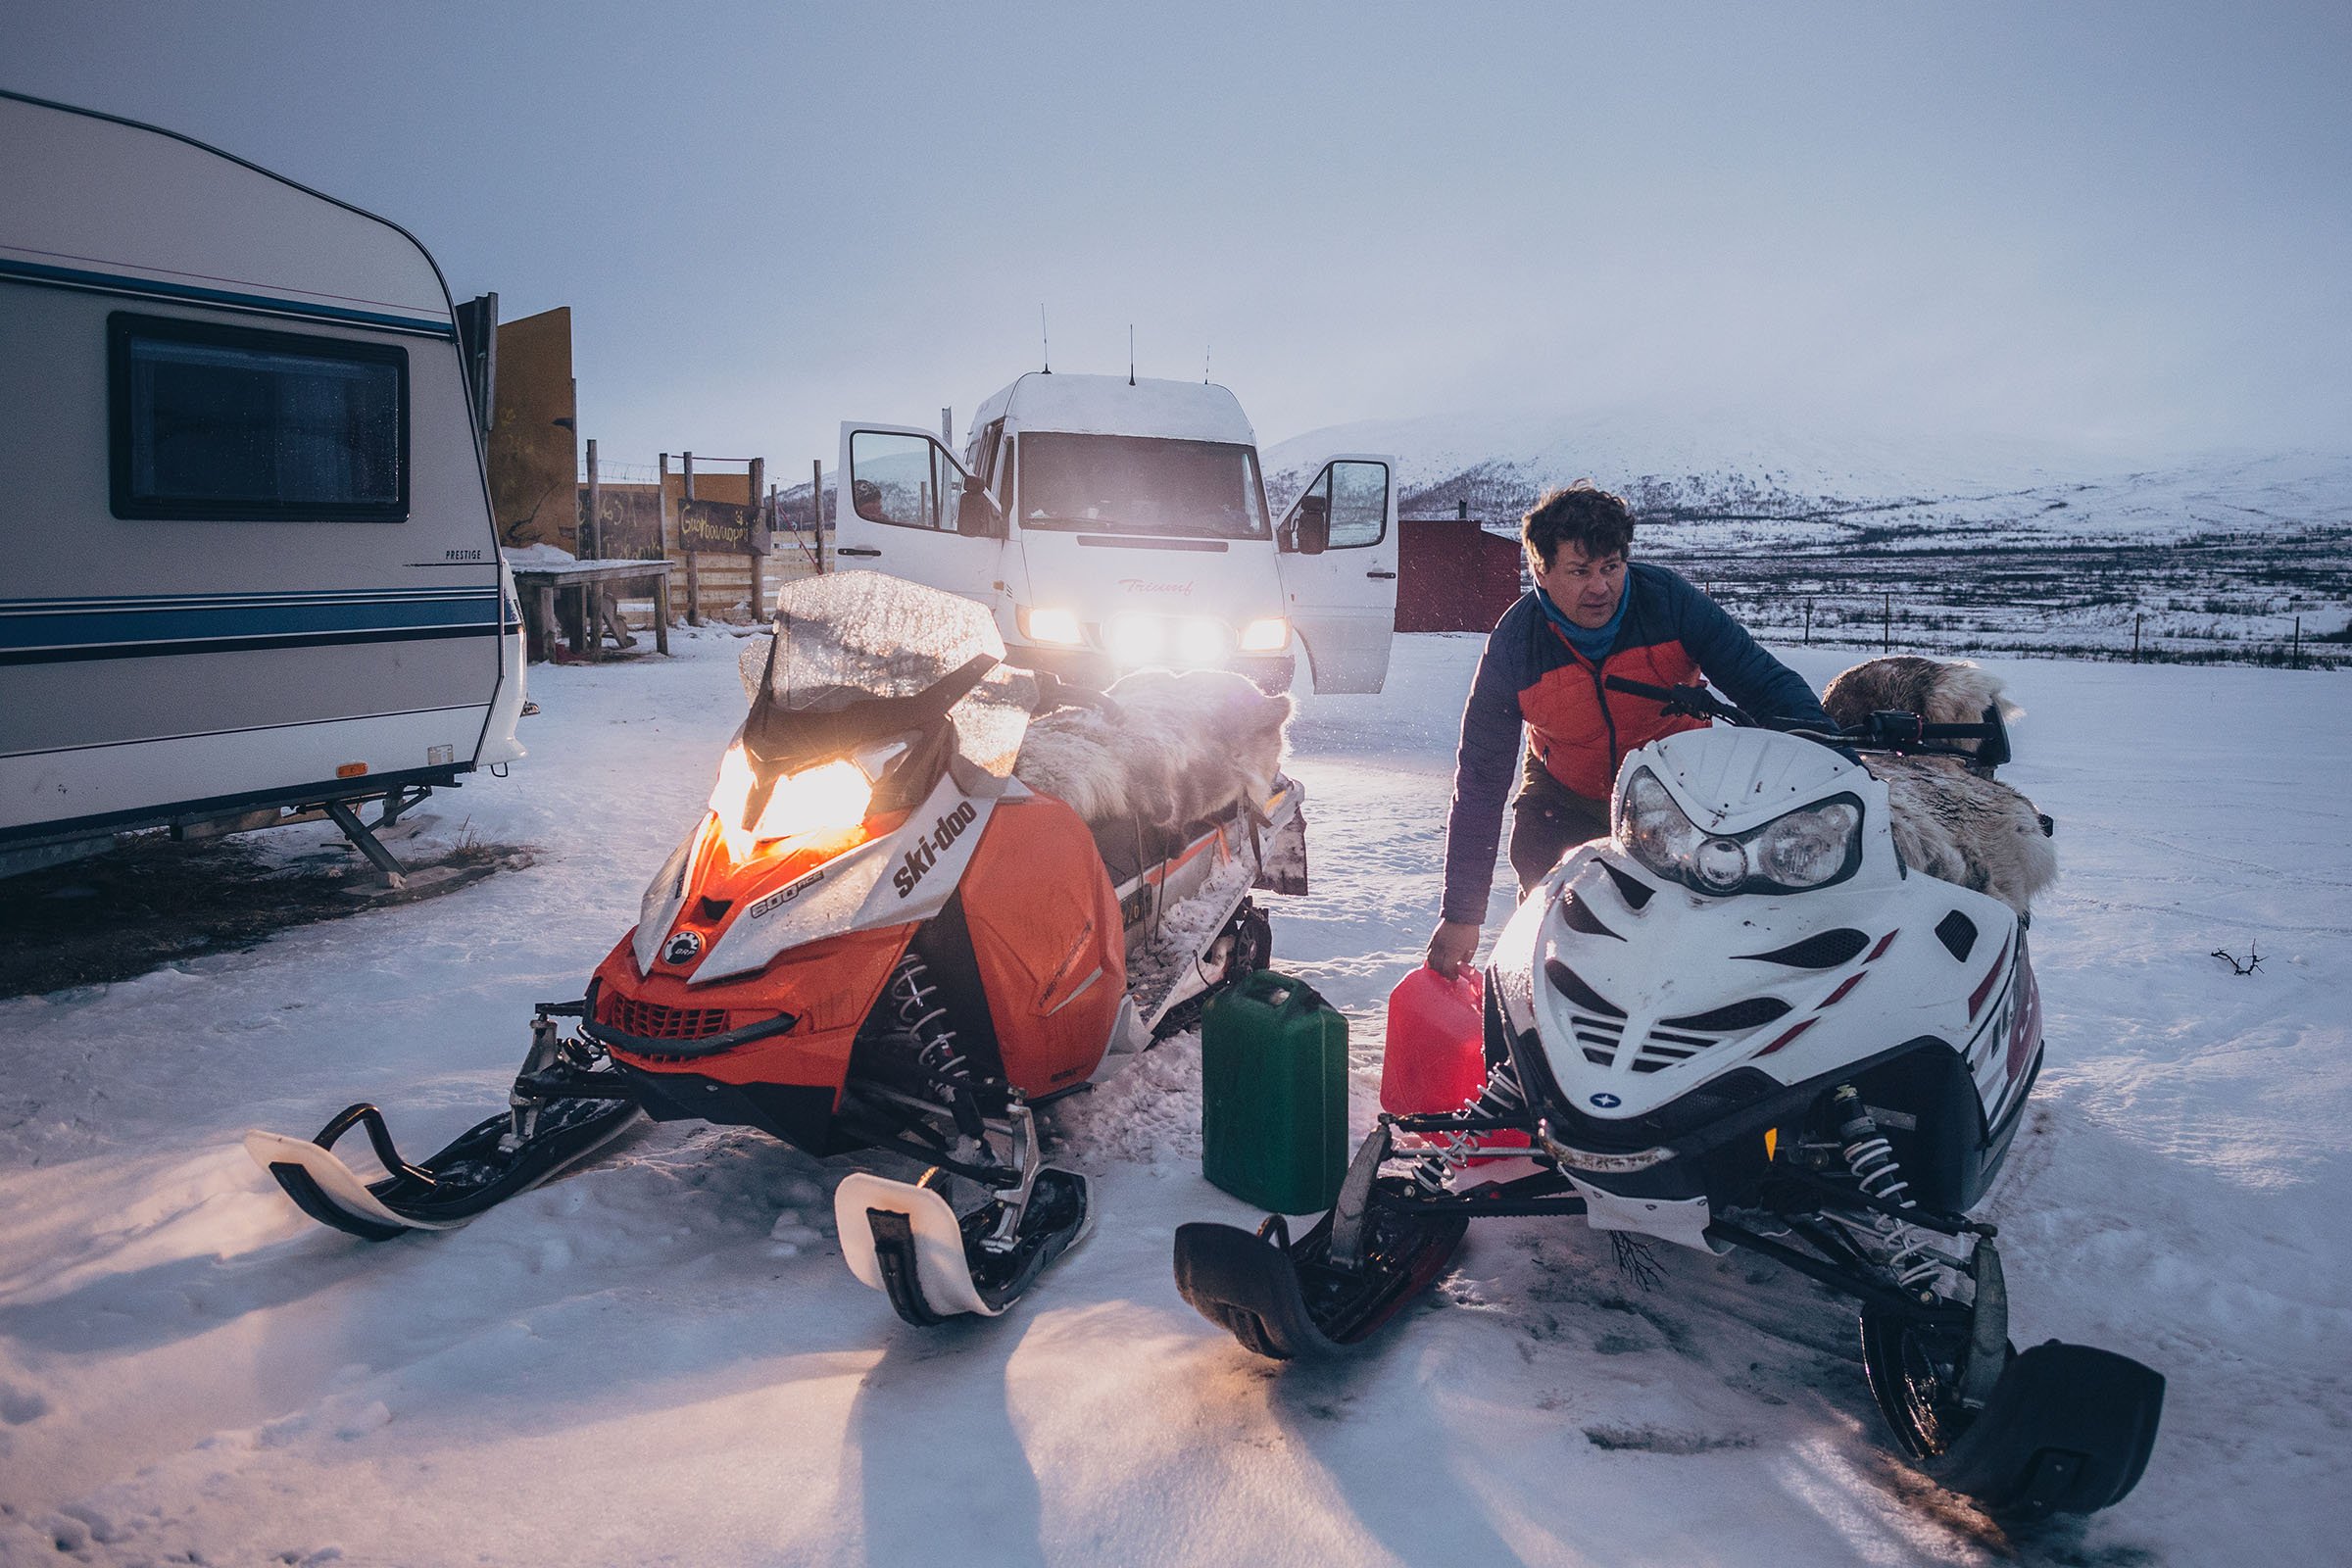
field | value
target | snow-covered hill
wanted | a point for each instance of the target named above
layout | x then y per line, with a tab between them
1967	546
1798	484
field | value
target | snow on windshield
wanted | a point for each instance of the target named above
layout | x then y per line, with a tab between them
853	635
1133	484
858	634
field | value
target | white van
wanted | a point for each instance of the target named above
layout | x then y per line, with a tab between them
247	562
1111	523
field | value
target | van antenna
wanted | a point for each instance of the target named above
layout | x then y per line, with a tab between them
1044	341
1204	365
1131	353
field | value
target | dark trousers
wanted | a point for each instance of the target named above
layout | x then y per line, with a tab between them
1548	820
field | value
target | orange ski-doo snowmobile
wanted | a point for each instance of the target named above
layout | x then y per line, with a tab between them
877	938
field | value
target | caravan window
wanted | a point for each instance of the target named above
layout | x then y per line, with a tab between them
213	421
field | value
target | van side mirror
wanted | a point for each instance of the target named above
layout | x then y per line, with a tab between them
1310	526
976	515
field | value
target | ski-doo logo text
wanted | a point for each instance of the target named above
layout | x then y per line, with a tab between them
927	851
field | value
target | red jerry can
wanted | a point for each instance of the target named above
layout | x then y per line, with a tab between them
1435	1059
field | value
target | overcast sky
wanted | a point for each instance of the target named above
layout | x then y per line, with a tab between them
2127	226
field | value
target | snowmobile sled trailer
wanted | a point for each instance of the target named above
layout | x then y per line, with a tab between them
247	559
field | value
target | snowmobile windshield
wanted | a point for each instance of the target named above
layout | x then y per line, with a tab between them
859	658
1141	485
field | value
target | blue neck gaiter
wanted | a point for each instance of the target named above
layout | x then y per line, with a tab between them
1595	642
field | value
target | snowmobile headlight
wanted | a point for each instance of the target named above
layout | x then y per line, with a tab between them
1721	864
829	798
1654	828
1809	847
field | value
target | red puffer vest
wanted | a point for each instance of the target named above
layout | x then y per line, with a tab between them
1581	730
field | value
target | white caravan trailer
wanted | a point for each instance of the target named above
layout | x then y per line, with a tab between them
247	561
1111	523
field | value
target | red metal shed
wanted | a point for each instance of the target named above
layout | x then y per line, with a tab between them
1452	575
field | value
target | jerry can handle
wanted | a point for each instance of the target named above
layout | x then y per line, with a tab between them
1282	992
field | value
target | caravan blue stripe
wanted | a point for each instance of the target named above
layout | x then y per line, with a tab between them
179	621
117	284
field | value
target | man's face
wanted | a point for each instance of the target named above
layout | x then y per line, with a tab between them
1587	590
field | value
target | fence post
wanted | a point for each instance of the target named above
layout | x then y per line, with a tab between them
817	508
1887	625
662	509
2299	642
694	579
2135	617
1808	623
595	497
758	538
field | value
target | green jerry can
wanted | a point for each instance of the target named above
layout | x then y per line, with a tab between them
1274	1094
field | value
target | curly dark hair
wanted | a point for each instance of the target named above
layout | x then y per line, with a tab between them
1596	522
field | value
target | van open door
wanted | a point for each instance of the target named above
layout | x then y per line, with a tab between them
1338	571
908	508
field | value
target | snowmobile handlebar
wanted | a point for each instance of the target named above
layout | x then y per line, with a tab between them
1885	730
1691	702
1053	692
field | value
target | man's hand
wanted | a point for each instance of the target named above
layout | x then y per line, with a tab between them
1451	945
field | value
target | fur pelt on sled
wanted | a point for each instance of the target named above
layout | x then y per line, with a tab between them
1181	747
1949	819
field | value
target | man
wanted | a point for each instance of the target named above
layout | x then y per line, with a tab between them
1591	615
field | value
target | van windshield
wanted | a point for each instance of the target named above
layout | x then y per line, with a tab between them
1141	485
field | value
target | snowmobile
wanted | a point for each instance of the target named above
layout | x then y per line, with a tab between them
878	939
1743	1021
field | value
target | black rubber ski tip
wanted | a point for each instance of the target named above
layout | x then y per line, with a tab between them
2068	1429
1248	1287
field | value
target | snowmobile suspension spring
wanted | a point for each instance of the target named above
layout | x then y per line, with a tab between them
1868	1155
1500	1099
919	1015
923	1017
1879	1173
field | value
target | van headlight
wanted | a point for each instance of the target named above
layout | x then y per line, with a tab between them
1270	635
1049	626
1809	847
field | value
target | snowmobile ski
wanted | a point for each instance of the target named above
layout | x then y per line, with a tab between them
903	1239
471	1174
2065	1427
1289	1300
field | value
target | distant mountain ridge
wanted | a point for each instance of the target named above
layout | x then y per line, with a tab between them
1687	471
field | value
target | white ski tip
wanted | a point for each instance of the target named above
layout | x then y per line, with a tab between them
939	1264
337	1182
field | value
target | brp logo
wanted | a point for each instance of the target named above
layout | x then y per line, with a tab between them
683	947
1607	1102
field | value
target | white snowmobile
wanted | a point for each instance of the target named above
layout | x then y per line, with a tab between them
1743	1021
879	938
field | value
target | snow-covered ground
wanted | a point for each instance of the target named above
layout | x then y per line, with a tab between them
662	1360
